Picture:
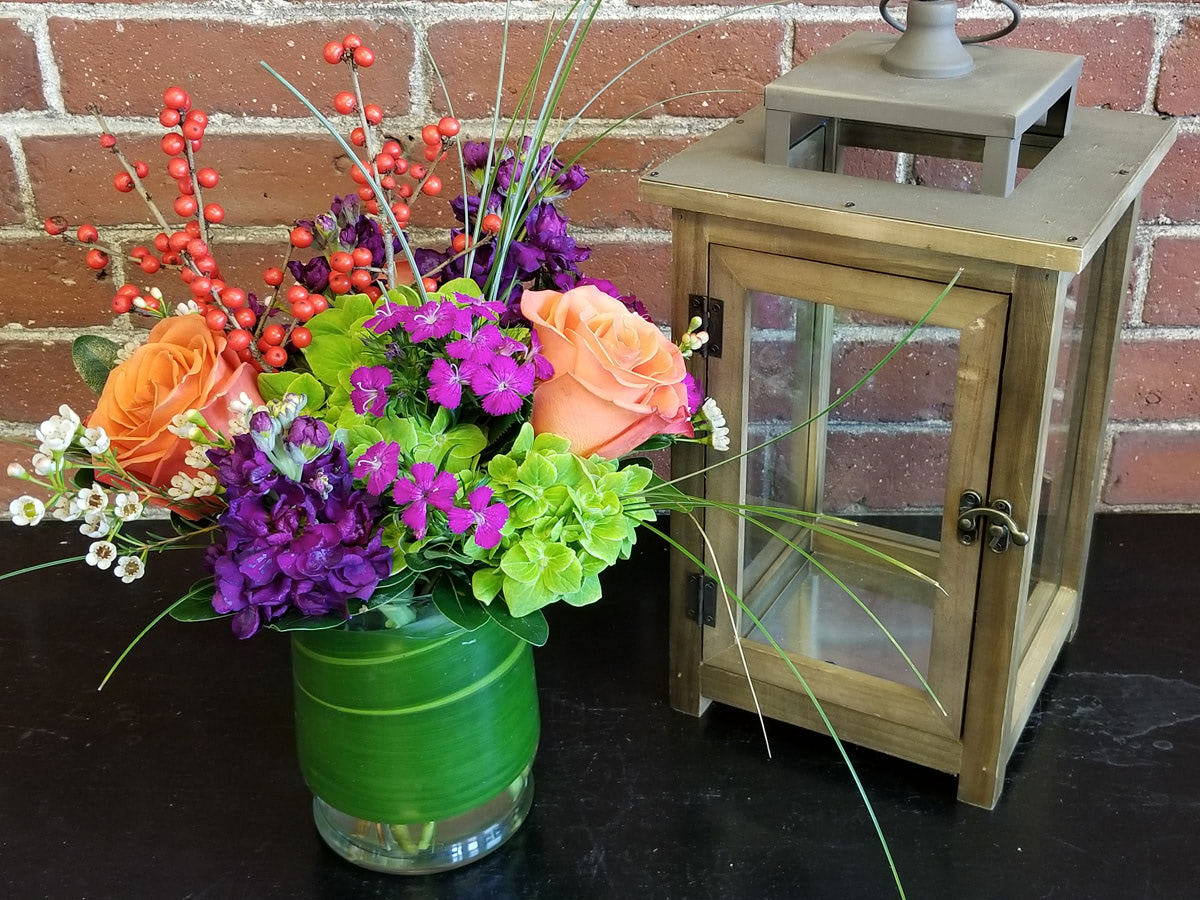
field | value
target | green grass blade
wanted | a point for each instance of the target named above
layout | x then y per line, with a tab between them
840	400
371	180
141	634
40	566
812	699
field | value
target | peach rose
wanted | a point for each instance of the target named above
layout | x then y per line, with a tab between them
182	366
617	380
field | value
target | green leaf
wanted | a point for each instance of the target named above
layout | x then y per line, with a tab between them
196	604
460	286
531	628
589	592
537	471
184	526
273	385
94	358
657	442
486	584
456	603
427	562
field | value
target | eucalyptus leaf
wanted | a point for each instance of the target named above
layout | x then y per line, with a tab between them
196	604
94	357
455	601
531	628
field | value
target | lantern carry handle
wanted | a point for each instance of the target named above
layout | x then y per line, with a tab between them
977	39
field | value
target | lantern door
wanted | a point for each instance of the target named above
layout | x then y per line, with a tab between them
850	558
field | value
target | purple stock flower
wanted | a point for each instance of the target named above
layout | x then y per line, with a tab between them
369	389
310	545
486	520
427	487
379	465
502	384
446	380
307	432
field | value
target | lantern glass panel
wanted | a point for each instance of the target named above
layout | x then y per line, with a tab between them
1051	540
879	459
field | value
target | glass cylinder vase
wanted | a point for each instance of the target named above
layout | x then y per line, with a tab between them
417	742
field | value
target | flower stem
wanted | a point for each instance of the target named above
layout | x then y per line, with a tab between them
137	181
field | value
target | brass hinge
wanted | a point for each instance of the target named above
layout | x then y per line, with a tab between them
702	599
711	313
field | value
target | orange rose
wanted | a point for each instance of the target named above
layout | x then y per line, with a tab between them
617	380
183	366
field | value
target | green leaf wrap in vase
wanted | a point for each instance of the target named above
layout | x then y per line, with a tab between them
417	742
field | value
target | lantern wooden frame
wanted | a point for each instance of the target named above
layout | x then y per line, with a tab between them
741	224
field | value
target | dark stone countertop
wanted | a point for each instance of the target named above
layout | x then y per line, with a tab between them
179	779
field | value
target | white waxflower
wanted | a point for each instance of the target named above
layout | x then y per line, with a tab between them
65	509
243	404
204	485
95	523
180	426
127	506
720	438
101	554
197	457
43	465
16	470
182	487
712	413
95	441
26	510
92	498
238	424
127	349
187	308
58	432
129	568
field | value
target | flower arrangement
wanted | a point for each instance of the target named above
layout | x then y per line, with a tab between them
370	433
382	429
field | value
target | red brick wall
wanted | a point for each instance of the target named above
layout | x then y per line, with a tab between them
276	165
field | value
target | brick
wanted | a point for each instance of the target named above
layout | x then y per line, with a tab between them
878	165
37	377
640	269
218	63
1179	76
1173	191
265	179
1157	381
20	78
1173	295
56	288
1117	67
885	470
729	56
609	199
915	385
11	488
1154	467
11	212
811	38
1116	51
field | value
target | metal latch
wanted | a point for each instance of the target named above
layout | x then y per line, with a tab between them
711	313
702	599
1002	529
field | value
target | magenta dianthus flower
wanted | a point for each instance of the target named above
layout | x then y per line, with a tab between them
427	487
379	465
502	384
486	520
368	392
446	380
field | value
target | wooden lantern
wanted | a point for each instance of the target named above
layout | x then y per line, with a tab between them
973	456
